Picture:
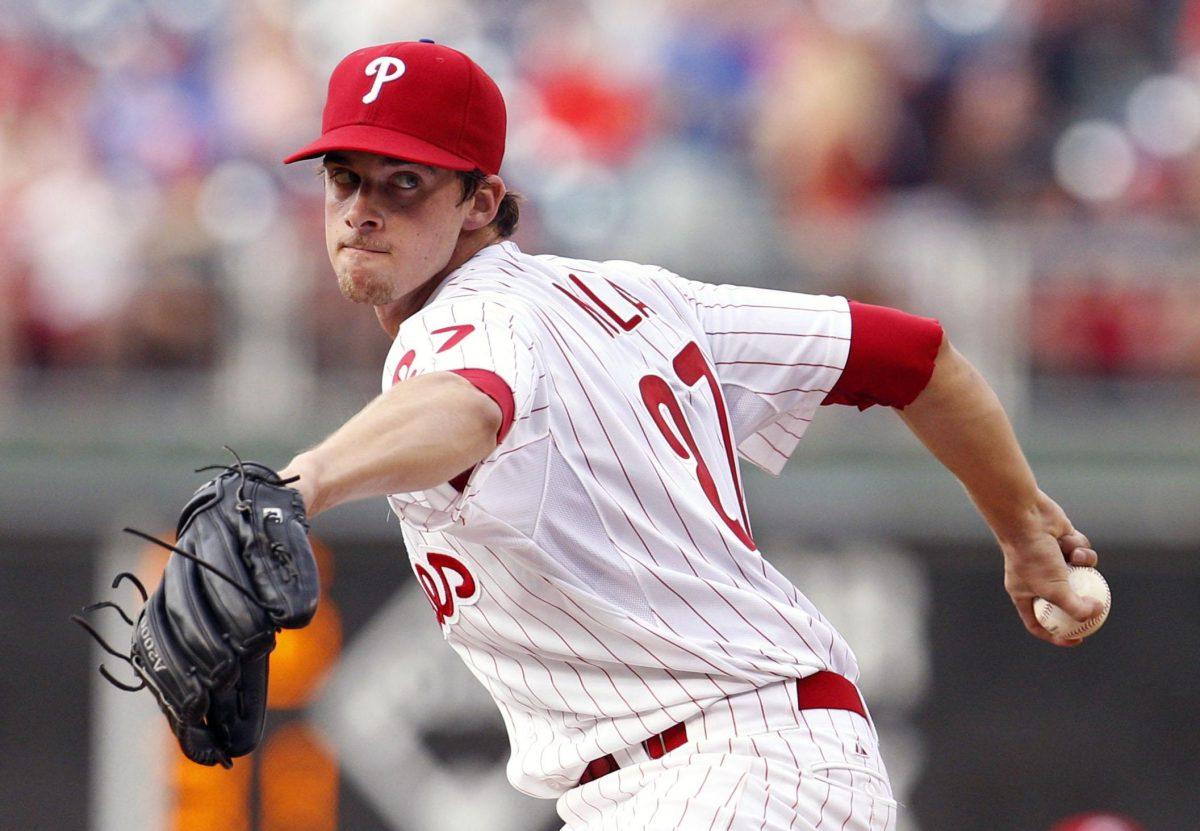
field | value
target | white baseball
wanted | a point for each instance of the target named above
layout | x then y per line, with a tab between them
1087	583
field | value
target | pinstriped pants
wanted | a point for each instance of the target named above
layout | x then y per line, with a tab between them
822	772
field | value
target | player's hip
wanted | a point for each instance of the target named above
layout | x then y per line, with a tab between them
831	777
781	756
776	707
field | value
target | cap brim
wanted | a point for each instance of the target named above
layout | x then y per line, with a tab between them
367	138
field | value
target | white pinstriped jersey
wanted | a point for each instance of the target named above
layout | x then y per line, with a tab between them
597	571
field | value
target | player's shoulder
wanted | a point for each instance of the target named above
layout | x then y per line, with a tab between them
615	267
628	274
658	288
504	264
505	279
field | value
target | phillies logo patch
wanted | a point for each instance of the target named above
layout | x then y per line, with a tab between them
448	584
384	70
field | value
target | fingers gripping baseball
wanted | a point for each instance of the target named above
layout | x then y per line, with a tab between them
242	569
1036	565
1078	550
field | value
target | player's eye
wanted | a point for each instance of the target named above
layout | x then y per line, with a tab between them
340	176
407	181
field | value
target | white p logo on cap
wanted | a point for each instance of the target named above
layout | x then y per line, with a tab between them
384	69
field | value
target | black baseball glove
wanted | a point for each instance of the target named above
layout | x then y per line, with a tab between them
242	569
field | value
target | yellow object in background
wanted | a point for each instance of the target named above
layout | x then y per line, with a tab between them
303	656
291	782
210	798
298	788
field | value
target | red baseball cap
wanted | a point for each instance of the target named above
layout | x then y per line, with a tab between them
418	101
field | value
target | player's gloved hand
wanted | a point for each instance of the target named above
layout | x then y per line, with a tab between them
242	569
1035	565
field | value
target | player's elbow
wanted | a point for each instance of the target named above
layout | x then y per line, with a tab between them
953	383
946	365
945	351
951	371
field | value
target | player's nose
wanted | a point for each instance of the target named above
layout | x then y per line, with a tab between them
362	215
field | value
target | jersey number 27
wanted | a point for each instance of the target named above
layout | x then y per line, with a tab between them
690	366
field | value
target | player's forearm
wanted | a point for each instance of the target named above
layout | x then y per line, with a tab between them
419	434
961	421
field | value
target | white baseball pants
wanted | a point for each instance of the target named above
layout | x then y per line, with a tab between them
807	770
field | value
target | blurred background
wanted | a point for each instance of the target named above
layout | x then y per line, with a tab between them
1028	171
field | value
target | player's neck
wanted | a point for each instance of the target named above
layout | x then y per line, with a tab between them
469	244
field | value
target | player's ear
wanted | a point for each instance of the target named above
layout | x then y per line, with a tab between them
484	203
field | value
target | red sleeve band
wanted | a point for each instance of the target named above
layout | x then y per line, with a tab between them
891	357
497	389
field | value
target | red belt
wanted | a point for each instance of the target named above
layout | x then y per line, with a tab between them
820	691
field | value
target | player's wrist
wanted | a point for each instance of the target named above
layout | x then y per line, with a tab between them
1017	528
306	467
1021	520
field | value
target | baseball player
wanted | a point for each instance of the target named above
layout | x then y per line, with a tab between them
560	440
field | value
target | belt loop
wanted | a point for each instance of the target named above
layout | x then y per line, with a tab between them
654	746
674	736
658	745
599	767
826	690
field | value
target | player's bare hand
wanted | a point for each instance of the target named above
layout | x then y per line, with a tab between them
1035	565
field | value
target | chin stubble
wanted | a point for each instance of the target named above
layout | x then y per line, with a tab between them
369	291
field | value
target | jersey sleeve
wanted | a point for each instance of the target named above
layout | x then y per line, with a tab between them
777	355
483	341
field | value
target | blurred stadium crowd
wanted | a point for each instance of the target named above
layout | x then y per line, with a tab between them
777	142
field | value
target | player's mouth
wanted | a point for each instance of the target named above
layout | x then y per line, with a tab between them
357	245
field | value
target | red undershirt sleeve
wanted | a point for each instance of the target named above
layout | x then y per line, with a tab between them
891	357
495	388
